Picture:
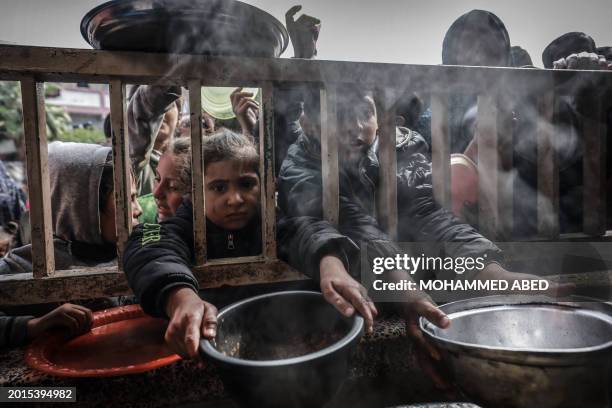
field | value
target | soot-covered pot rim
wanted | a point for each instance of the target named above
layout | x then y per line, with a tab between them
207	348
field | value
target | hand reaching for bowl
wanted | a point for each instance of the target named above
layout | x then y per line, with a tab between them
246	110
304	33
419	305
75	319
190	319
414	305
343	292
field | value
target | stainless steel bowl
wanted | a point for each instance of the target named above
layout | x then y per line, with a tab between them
509	351
282	319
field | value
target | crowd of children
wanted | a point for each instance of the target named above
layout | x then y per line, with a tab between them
159	253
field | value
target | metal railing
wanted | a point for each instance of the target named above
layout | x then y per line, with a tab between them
33	66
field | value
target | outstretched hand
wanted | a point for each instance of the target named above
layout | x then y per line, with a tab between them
304	33
246	110
420	305
417	305
74	319
190	319
344	293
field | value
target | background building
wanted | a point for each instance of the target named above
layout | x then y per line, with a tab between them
86	104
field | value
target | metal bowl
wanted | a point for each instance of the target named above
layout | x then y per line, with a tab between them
282	319
208	27
509	351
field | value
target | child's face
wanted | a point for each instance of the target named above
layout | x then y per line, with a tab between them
167	197
231	194
357	127
107	215
208	125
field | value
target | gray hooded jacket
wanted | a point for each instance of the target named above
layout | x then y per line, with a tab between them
75	172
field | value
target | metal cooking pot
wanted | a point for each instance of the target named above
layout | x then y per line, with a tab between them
308	380
209	27
518	351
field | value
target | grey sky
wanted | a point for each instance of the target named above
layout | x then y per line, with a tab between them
400	31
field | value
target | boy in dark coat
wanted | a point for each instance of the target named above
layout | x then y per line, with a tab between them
329	253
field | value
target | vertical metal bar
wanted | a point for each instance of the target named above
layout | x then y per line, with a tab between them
505	186
329	154
35	133
266	171
440	156
547	169
121	165
594	168
197	172
488	166
386	200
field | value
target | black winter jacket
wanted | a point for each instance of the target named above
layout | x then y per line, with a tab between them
304	237
13	331
158	257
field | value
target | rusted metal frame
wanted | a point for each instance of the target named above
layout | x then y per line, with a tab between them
64	65
121	165
386	197
236	261
329	154
580	236
266	171
488	165
440	155
197	172
258	272
547	168
333	67
594	168
64	286
35	133
104	282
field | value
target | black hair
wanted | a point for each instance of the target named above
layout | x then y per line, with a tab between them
347	95
409	106
107	182
222	145
605	51
519	57
351	93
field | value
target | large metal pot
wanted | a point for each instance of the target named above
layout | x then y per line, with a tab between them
282	318
210	27
514	351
